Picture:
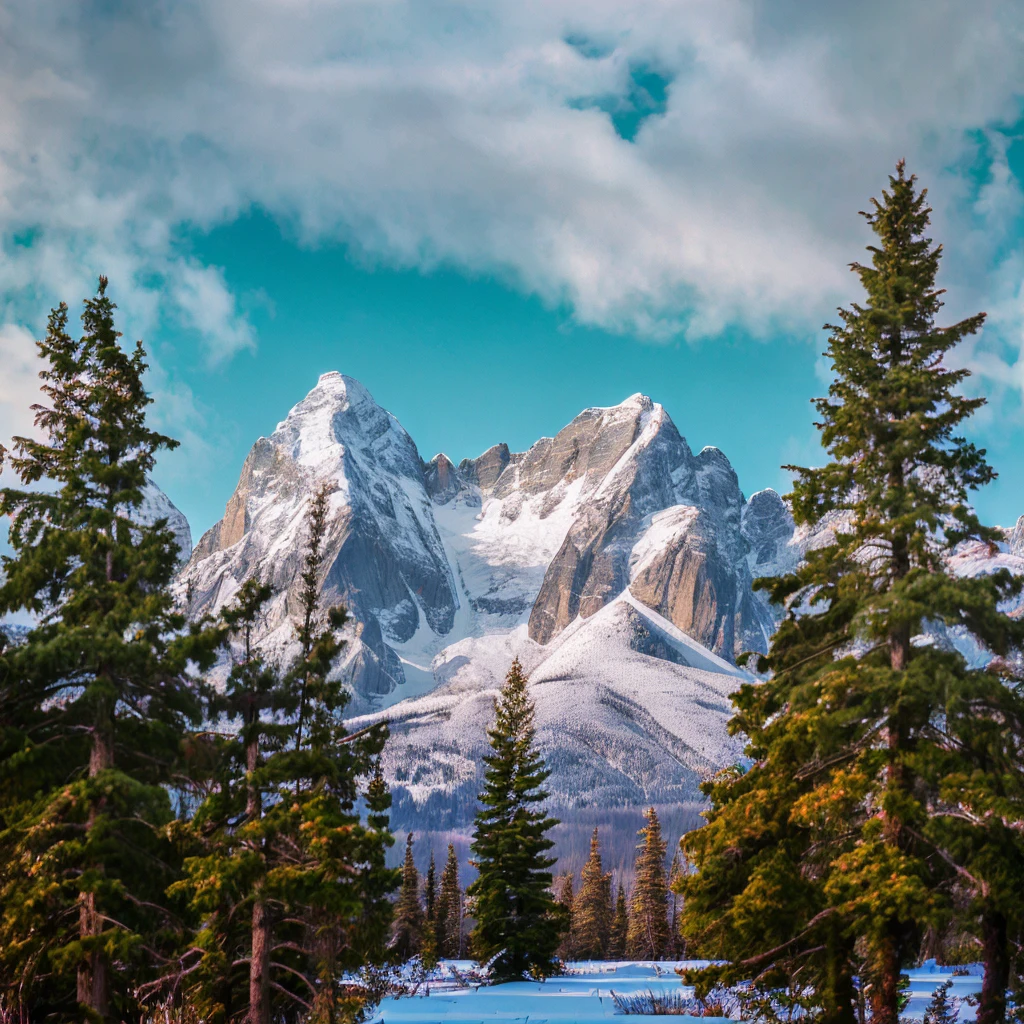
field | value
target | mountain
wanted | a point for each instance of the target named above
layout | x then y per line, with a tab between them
611	559
428	553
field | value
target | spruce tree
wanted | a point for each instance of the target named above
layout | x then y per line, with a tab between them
517	922
620	927
280	864
96	701
593	908
448	922
429	949
834	834
566	899
407	930
675	874
648	936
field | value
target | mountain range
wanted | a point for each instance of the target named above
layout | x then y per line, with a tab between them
611	559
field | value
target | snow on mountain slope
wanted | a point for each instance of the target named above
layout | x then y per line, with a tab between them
156	505
428	554
630	710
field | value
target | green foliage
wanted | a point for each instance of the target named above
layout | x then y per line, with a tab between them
649	937
407	930
93	705
566	899
861	743
517	921
620	927
448	919
592	918
279	864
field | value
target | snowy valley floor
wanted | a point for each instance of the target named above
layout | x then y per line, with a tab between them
585	995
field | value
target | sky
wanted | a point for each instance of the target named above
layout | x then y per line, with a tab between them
495	215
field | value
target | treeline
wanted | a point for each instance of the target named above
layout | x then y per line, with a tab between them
594	921
167	846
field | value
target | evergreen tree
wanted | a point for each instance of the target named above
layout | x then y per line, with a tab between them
675	874
832	835
94	703
517	922
565	897
592	921
429	950
407	930
620	927
648	937
281	865
448	924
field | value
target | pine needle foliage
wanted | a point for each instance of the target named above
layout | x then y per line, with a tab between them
407	930
830	843
649	937
565	897
94	703
281	865
592	919
517	921
448	921
620	927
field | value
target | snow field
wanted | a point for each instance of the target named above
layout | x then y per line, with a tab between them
584	995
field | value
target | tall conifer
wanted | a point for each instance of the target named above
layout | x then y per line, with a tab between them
832	835
648	937
448	922
282	866
593	908
517	922
96	700
566	899
407	930
620	927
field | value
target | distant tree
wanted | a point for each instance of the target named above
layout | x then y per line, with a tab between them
95	702
517	921
593	907
407	930
429	951
566	898
675	874
649	937
448	920
619	933
281	865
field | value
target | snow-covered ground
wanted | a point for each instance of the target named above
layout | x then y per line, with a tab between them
585	995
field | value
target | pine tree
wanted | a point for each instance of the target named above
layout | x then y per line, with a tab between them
566	899
835	832
96	700
675	874
429	950
407	930
281	865
517	922
648	936
448	922
620	927
942	1008
593	908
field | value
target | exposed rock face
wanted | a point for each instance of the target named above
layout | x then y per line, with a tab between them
426	553
386	562
156	505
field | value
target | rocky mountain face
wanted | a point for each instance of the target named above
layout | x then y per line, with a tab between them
611	559
426	554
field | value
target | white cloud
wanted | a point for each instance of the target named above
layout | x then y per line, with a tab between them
466	134
19	383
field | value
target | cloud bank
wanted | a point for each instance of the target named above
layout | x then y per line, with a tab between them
663	167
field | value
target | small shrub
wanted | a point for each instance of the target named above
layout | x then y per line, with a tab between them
719	1002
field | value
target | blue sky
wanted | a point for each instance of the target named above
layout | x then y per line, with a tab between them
495	216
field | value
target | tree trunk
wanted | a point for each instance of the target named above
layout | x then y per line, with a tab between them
839	994
885	989
992	1000
93	983
260	962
